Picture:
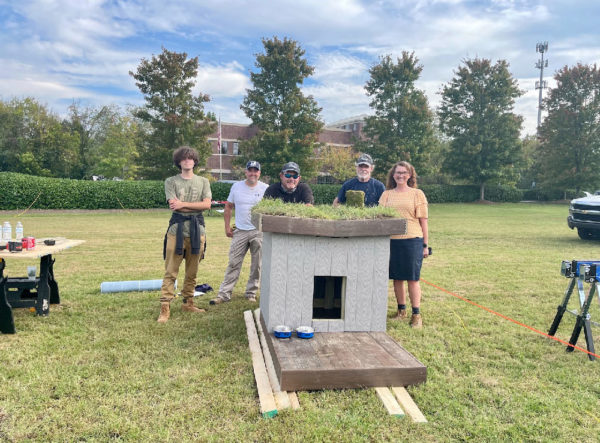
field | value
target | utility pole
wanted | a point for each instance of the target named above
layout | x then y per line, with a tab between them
541	47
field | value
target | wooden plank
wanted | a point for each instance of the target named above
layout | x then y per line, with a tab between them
329	228
281	397
379	302
390	403
268	408
351	306
323	256
278	281
295	280
364	285
409	405
340	248
41	250
309	283
342	360
294	400
265	274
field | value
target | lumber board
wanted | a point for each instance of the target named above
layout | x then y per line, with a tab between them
389	401
268	408
281	397
409	404
294	399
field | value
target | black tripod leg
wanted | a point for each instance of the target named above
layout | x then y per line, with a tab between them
7	322
562	308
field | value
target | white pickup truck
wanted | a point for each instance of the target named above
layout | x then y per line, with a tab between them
584	214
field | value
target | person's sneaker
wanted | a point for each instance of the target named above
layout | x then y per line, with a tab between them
216	301
400	315
416	321
251	299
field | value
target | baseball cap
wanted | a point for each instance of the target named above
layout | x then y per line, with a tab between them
364	159
291	166
253	164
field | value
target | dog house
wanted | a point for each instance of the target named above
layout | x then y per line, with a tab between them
331	275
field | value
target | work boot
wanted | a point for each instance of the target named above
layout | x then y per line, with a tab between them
165	312
400	315
251	299
416	321
188	306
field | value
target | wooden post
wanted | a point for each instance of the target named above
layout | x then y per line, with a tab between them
268	407
409	405
281	397
389	402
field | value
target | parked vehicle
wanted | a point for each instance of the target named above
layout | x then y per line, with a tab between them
584	214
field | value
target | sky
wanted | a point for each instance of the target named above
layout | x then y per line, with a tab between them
65	51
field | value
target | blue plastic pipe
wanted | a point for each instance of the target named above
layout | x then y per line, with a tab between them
131	285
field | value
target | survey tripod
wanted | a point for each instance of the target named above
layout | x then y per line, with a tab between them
579	272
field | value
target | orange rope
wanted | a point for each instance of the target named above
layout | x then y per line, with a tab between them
509	319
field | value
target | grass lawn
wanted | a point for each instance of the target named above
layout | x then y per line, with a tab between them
100	368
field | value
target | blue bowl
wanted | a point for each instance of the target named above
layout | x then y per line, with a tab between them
282	331
305	332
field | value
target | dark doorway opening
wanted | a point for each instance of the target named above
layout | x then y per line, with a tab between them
328	297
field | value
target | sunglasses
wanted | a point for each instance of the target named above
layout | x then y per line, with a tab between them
288	175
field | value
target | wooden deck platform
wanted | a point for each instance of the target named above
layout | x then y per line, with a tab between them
337	360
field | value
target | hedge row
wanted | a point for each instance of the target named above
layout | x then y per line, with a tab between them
18	191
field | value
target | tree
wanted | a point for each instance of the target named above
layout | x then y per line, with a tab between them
34	141
176	116
570	134
476	113
288	122
402	127
337	161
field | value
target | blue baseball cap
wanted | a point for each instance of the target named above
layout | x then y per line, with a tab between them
253	164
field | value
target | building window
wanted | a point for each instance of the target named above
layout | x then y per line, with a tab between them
236	148
224	146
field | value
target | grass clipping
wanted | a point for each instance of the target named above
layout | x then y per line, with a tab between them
270	206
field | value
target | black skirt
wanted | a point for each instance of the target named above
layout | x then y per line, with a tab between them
406	258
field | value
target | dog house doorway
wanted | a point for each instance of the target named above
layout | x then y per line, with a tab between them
328	297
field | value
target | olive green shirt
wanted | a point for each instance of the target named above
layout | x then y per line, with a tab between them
190	190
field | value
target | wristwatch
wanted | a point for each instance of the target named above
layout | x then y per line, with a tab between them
424	245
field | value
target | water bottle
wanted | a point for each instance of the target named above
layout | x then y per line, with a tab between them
19	231
6	231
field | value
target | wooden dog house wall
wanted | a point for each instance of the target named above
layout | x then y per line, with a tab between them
355	252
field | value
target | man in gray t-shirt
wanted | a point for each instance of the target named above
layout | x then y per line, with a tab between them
243	196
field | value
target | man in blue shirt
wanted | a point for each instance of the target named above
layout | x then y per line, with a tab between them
362	182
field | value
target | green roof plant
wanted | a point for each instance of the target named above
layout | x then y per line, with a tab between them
269	206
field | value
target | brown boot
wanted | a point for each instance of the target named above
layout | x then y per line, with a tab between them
165	312
400	315
188	306
416	321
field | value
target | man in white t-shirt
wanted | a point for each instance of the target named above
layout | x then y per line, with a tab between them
243	196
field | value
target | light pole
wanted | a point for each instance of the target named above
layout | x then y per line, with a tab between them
541	47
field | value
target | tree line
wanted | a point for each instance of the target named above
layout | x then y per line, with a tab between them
472	138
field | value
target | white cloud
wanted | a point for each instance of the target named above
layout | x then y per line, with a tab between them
227	80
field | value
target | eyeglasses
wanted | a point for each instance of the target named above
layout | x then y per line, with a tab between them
401	173
288	175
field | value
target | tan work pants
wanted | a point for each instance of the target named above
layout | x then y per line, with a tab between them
172	263
240	243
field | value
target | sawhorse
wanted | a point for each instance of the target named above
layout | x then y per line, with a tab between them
579	271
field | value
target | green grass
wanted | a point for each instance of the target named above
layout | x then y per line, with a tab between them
99	367
326	212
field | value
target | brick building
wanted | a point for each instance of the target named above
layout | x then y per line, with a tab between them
341	133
